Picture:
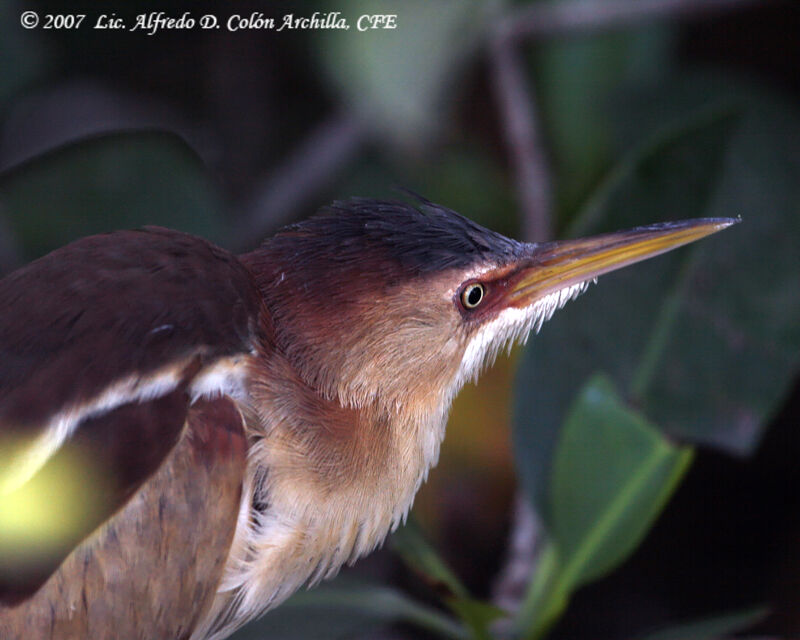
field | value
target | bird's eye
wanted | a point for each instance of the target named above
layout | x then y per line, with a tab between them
472	295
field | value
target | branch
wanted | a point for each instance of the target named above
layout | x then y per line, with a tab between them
524	546
558	18
310	167
520	121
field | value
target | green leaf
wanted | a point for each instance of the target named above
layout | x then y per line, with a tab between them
740	306
415	550
677	169
612	475
620	324
705	340
400	80
105	183
575	77
346	610
709	628
477	615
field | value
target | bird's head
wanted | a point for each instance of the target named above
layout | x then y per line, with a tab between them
401	304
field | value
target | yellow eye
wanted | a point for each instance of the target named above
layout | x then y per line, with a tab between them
472	295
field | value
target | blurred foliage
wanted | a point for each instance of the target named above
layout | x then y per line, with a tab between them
346	610
415	550
21	57
46	514
611	474
403	86
670	174
111	182
696	347
575	78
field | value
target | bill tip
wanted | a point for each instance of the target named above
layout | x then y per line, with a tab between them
727	222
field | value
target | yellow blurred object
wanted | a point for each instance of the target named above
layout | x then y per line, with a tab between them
51	508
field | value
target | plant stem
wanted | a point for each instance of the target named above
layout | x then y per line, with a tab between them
546	599
522	131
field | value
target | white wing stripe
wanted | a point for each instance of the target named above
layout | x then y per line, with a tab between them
61	426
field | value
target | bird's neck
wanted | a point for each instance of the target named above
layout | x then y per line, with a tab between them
326	482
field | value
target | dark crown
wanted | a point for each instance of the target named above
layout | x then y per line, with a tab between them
423	237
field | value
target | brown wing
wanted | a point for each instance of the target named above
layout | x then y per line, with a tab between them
104	336
109	306
152	568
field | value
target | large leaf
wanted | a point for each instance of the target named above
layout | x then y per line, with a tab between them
400	79
613	472
705	340
611	476
343	611
575	77
109	182
741	307
619	325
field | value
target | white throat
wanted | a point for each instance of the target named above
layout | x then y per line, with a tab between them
511	325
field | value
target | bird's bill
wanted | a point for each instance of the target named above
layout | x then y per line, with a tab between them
554	266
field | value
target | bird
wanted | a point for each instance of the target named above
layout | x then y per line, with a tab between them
188	436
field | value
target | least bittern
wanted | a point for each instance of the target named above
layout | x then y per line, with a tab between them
201	433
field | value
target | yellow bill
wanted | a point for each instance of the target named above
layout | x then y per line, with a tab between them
557	265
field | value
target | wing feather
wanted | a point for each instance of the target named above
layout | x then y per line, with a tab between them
116	309
100	344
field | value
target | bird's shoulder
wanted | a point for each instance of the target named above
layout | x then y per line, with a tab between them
114	306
